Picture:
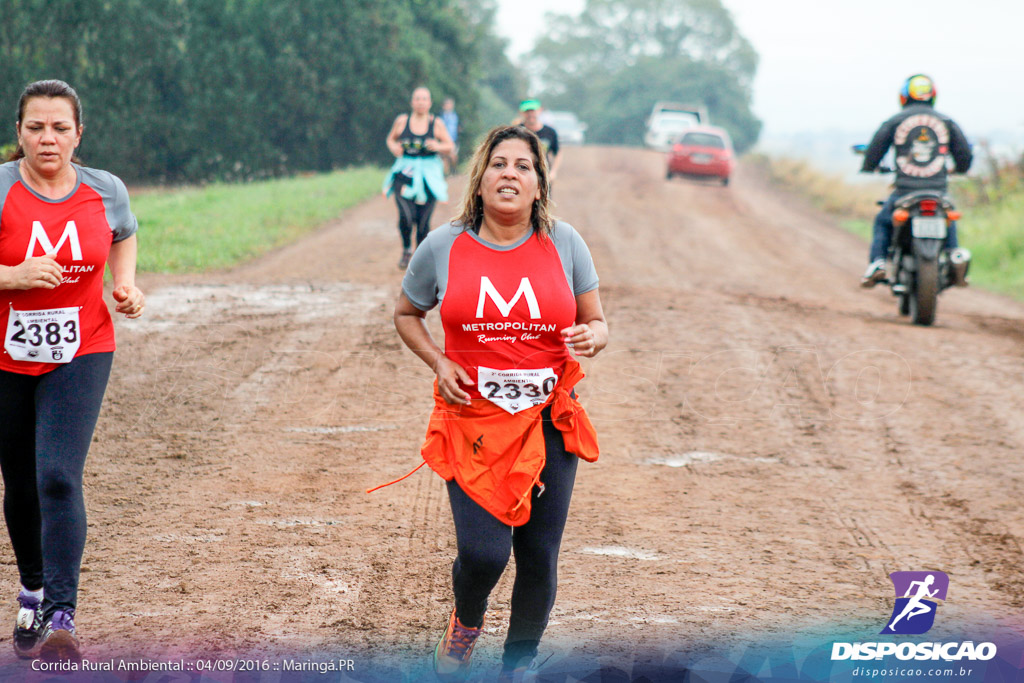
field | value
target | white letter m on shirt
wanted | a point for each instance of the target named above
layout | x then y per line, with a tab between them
70	235
525	290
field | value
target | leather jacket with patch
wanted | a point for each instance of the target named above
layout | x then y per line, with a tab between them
924	140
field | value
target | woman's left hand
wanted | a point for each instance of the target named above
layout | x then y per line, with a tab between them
130	300
582	339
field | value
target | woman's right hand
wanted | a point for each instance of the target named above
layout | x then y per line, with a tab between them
449	374
38	272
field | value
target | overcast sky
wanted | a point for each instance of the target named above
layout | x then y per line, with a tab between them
839	64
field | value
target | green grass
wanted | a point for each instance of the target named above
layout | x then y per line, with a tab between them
995	235
861	227
215	226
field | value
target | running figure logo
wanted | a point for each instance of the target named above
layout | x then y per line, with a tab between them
918	595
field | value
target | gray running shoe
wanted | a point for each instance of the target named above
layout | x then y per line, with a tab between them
524	672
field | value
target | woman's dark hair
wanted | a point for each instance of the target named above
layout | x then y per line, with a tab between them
48	88
472	212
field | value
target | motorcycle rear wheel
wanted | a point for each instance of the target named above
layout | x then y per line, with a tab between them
925	297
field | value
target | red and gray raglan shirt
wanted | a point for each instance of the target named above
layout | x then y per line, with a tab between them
502	307
46	327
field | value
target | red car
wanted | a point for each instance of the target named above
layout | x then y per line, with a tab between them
702	151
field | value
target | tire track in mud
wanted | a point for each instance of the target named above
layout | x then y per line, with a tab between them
256	369
880	544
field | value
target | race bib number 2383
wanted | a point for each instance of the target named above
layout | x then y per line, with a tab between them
50	336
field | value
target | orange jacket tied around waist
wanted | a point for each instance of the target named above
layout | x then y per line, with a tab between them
497	457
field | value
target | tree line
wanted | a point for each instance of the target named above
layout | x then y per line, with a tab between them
614	60
193	90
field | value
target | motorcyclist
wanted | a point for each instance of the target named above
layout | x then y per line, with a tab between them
924	140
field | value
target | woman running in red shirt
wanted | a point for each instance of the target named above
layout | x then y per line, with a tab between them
517	290
60	224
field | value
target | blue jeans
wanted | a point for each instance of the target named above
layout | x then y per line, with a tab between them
882	232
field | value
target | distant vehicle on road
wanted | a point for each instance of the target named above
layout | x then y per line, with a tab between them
668	120
702	151
569	128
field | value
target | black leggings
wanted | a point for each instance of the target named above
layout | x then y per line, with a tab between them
484	544
411	214
46	425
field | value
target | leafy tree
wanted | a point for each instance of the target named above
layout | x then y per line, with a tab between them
611	63
189	90
497	83
120	56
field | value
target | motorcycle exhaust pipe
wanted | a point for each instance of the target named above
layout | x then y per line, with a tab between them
959	263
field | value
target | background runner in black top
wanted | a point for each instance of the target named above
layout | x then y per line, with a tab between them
417	139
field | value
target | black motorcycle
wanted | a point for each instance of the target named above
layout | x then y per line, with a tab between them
918	265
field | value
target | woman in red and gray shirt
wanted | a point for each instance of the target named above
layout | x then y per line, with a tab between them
517	292
60	225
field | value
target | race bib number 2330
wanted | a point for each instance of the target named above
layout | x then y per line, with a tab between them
50	336
515	390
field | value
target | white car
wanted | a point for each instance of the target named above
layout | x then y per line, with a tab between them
665	127
569	128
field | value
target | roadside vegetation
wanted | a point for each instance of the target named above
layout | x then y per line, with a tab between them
193	229
991	199
993	224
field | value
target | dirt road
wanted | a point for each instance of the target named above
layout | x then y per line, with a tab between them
775	441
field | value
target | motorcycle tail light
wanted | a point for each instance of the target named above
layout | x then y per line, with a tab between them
928	207
900	216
